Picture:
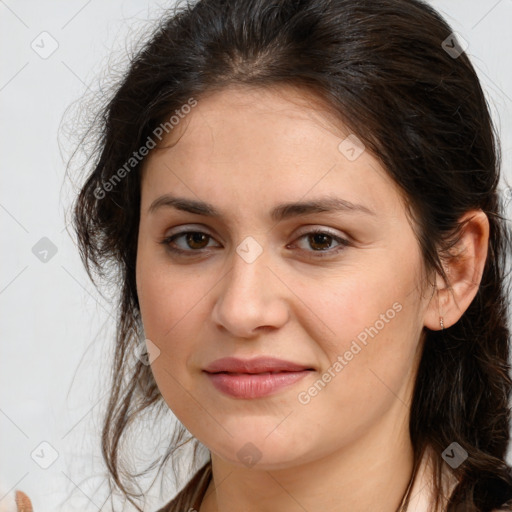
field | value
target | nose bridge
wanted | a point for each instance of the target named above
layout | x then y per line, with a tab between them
249	273
249	298
252	258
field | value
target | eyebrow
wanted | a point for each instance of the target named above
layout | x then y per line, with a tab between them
280	212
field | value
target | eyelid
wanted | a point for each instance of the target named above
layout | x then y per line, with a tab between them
310	228
314	228
188	228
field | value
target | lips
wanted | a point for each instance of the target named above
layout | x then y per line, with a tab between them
256	365
254	378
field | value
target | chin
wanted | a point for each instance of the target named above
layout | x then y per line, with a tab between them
255	449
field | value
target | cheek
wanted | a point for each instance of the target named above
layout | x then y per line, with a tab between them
370	327
172	308
170	314
164	312
374	363
167	293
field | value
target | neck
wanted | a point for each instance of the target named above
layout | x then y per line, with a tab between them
372	473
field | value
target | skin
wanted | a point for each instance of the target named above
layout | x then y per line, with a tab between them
246	150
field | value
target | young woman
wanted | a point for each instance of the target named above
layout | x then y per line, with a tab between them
300	201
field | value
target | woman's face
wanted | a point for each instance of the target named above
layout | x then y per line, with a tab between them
345	304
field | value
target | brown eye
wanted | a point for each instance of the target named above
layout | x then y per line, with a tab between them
192	241
196	240
320	242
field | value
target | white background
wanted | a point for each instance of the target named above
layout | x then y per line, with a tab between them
56	330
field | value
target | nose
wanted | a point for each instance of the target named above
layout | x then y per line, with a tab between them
252	297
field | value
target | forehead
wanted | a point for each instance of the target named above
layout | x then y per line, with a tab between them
272	142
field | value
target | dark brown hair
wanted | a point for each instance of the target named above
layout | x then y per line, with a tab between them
386	72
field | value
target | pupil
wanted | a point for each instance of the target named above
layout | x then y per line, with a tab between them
195	238
320	236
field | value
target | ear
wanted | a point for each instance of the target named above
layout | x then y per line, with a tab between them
464	271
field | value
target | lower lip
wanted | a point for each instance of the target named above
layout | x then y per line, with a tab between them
255	385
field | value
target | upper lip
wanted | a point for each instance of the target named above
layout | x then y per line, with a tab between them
256	365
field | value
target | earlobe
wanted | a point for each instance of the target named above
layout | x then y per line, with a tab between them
464	271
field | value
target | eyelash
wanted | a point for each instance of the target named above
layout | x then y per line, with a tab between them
317	254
